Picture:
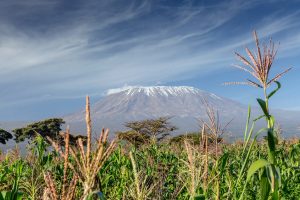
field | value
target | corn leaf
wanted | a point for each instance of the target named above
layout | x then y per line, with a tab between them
247	123
259	118
272	121
264	186
223	160
255	166
271	145
199	197
263	106
274	91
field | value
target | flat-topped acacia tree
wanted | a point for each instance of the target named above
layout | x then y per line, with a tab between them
46	128
146	131
49	127
5	136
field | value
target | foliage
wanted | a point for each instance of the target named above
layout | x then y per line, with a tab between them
133	137
4	136
163	171
13	171
87	162
48	127
145	131
259	66
194	138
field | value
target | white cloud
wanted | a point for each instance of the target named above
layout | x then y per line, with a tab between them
117	90
99	47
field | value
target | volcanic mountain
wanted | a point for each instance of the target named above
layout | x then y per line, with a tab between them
185	105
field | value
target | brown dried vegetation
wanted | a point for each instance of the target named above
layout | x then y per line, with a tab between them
87	162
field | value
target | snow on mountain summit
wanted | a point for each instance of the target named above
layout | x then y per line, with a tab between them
159	90
163	90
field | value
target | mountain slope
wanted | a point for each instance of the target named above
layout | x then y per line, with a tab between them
143	102
184	104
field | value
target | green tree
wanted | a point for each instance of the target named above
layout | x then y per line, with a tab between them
194	138
147	130
5	136
133	137
49	127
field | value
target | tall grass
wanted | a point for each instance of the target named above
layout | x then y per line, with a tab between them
164	171
87	163
259	66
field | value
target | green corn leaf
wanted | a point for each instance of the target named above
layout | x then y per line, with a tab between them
275	194
3	195
271	176
248	154
274	91
279	176
272	121
255	166
19	196
259	118
264	186
263	106
271	145
199	197
249	137
247	123
223	162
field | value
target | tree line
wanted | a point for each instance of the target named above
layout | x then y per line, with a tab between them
137	133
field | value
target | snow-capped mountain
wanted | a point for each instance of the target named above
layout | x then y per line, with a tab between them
184	104
155	101
157	90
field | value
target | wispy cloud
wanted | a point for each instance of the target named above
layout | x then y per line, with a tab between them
65	49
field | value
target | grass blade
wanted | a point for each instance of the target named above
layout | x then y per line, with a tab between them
256	166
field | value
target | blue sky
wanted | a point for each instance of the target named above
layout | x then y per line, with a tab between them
54	52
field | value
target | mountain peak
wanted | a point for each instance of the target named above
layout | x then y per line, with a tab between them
183	103
156	90
136	103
